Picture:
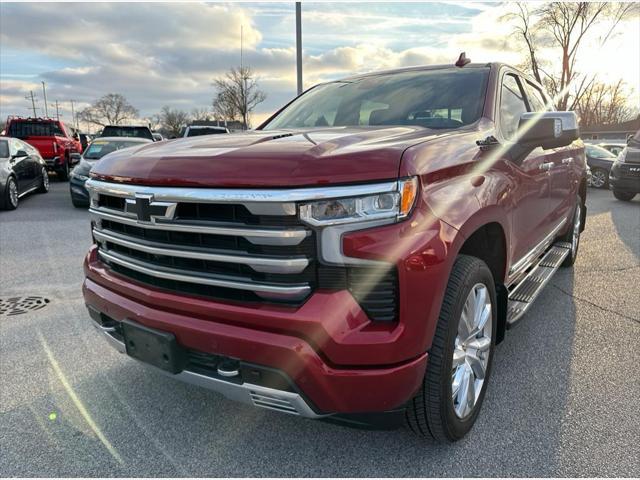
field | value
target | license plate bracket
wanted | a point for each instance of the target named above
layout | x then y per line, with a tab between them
154	347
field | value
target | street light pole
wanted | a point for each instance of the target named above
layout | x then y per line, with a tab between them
33	103
299	44
44	93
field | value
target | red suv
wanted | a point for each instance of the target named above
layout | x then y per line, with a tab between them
356	258
55	142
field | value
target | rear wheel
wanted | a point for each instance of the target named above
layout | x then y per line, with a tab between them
63	172
573	235
624	196
10	200
44	186
460	358
599	178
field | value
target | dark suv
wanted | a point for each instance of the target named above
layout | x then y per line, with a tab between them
624	177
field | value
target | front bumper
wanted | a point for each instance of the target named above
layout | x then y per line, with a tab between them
324	389
78	190
625	177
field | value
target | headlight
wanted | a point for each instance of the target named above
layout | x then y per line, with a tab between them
81	171
393	205
622	155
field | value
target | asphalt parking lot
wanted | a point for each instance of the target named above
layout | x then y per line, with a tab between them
564	398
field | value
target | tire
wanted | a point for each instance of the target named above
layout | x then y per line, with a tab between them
433	411
624	196
44	186
599	178
10	200
573	235
63	174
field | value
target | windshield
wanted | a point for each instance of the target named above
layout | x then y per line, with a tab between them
598	152
446	98
114	131
197	131
100	148
24	129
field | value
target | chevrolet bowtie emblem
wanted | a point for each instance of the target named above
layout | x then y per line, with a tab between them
147	210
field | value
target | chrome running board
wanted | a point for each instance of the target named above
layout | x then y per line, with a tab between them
524	293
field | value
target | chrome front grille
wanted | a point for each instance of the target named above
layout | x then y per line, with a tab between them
224	250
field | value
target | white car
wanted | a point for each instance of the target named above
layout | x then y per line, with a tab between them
197	130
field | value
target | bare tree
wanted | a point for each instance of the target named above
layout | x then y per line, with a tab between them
172	121
564	26
602	104
237	95
200	114
111	109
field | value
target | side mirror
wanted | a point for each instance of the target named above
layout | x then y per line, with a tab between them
20	154
75	158
548	129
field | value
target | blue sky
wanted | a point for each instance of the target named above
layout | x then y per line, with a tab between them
168	54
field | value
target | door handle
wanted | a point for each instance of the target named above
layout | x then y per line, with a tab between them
546	166
567	161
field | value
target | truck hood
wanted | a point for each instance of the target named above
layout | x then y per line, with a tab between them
285	158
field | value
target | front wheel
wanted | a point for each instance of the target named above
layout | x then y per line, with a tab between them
624	196
461	354
11	196
599	178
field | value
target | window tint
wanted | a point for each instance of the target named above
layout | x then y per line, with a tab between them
24	129
4	149
443	98
536	98
512	106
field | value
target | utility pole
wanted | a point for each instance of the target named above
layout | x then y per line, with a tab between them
33	102
74	119
57	111
44	93
299	44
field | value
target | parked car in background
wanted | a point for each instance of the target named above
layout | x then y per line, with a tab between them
356	258
22	170
85	139
127	131
197	130
95	151
613	147
51	137
624	177
600	162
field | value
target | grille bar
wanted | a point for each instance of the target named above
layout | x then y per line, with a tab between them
267	291
259	264
253	235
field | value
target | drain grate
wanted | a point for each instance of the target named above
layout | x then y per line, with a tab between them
20	305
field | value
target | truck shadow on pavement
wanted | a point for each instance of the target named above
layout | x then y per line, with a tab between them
162	426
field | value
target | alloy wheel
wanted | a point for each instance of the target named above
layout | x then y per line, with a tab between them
45	179
471	351
13	193
598	178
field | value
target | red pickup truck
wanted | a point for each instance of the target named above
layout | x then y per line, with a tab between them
57	146
356	258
